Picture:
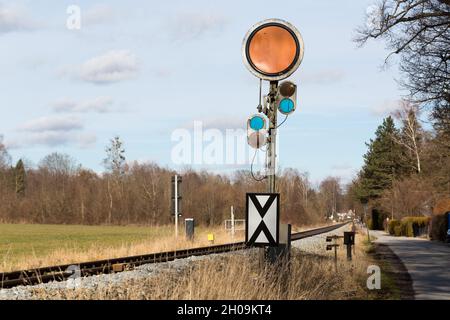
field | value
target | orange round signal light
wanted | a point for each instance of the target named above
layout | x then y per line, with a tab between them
273	49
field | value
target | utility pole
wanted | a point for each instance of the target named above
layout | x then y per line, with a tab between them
176	206
176	200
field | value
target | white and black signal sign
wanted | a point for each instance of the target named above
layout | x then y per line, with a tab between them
262	219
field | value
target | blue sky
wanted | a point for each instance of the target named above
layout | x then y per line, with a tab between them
143	69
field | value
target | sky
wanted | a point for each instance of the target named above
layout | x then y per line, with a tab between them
143	70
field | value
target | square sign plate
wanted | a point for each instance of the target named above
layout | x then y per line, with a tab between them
262	219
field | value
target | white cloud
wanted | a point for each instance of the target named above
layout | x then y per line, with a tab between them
53	131
99	104
114	66
55	124
98	14
191	25
55	138
48	138
385	108
15	18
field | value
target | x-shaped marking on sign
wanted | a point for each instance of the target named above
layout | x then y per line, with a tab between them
262	226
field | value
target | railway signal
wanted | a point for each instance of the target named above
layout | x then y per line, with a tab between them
176	200
272	50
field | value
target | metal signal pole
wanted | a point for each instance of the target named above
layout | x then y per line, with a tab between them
272	138
268	254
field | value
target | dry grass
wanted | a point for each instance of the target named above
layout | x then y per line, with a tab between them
239	277
25	246
75	250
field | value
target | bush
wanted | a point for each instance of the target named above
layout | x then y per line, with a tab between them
409	226
398	230
391	226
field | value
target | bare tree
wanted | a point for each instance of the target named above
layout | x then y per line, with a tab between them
330	195
412	196
411	134
59	164
305	186
5	158
418	31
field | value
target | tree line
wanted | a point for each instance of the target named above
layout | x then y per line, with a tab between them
60	191
407	169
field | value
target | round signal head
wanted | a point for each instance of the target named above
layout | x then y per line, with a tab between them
273	49
257	122
287	89
286	106
257	139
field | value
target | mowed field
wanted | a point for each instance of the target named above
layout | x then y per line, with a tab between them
25	246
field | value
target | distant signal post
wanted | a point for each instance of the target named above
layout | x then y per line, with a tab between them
176	200
272	51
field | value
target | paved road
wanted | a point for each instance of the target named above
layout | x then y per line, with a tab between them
428	264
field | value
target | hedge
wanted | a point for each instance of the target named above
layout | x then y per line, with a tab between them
409	226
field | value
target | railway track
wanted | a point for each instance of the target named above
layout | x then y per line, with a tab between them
64	272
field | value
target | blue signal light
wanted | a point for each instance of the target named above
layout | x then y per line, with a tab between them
286	106
257	123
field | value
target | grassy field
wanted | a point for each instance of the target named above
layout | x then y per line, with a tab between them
27	246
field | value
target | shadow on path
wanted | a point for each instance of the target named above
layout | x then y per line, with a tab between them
427	262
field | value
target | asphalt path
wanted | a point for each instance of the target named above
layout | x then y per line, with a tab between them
427	262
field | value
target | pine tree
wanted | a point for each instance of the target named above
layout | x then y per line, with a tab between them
20	178
383	162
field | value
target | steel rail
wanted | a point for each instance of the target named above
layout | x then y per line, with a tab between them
315	232
63	272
